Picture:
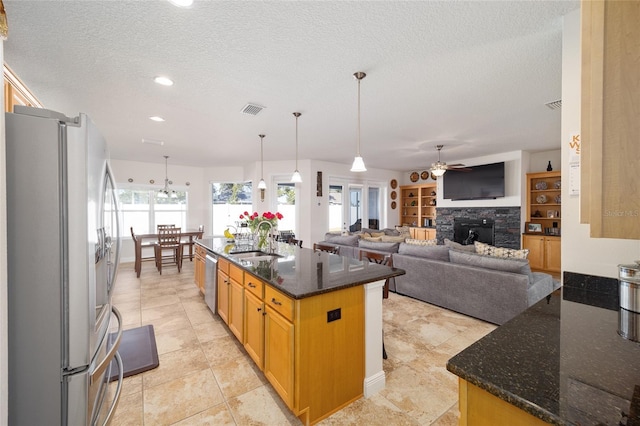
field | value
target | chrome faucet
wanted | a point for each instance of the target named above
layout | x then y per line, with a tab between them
270	236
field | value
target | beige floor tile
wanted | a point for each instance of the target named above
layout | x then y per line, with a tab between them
174	365
222	349
180	398
374	411
237	376
129	411
209	331
161	300
173	340
218	415
261	407
449	418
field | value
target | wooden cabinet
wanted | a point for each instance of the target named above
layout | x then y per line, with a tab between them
236	301
417	204
422	233
254	313
544	211
224	284
481	408
200	267
314	362
608	143
544	252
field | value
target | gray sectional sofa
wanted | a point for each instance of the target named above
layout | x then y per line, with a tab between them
490	288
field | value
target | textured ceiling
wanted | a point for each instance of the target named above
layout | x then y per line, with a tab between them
474	76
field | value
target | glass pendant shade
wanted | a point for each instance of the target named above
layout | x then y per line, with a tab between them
438	172
296	177
358	165
262	184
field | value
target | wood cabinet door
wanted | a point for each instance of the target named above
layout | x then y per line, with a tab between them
223	296
236	309
430	234
279	354
536	246
254	328
552	254
200	268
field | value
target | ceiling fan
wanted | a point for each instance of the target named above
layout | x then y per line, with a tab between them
439	167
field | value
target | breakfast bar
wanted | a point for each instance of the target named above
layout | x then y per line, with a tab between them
571	359
310	320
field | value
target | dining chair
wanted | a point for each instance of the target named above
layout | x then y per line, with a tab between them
169	240
381	259
294	242
326	247
165	226
190	241
138	260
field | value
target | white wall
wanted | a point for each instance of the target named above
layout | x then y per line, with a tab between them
580	253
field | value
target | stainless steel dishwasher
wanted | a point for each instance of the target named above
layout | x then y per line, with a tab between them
210	281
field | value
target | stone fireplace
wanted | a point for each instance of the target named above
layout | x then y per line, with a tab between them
466	230
502	222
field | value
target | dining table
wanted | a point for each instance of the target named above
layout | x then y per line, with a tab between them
138	240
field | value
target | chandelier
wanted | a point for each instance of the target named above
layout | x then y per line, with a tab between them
166	192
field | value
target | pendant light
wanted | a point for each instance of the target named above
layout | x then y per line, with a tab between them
261	185
358	162
296	178
166	191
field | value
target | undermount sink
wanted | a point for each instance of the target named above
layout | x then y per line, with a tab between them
255	255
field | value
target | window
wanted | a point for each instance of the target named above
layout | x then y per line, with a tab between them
373	205
355	208
336	222
286	205
142	210
230	200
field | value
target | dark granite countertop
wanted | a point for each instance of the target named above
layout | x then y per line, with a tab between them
563	360
301	272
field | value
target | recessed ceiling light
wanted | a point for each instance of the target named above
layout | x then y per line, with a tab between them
181	3
165	81
156	118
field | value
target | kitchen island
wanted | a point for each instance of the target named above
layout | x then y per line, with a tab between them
311	321
563	361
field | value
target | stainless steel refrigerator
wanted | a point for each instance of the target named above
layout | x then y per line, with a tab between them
63	249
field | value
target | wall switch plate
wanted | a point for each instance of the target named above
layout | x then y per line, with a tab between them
334	315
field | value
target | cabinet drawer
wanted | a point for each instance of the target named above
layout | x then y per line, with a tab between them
223	265
284	305
254	285
236	274
201	251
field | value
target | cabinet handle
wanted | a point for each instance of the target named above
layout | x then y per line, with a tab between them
275	302
259	309
252	285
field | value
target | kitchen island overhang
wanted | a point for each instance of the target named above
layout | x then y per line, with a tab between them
335	321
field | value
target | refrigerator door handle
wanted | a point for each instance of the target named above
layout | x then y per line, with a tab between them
97	373
116	397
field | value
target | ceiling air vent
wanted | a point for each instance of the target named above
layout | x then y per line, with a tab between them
555	104
252	109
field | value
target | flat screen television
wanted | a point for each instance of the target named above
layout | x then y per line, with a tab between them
483	182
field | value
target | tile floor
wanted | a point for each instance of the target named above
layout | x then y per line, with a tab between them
206	378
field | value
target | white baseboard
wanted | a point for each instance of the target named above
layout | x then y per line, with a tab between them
374	384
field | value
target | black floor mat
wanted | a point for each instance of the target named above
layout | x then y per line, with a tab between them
138	351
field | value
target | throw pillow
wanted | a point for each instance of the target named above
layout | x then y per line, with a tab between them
379	246
428	252
391	239
391	232
489	250
372	238
460	247
377	234
415	242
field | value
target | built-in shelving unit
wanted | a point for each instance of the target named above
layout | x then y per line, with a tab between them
418	205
